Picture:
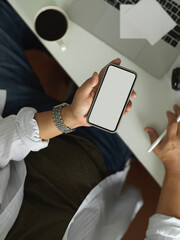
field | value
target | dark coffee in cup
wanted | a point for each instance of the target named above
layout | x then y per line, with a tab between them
51	24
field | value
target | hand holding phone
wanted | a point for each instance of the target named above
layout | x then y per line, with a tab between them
111	98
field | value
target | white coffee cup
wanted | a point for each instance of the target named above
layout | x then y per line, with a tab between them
51	24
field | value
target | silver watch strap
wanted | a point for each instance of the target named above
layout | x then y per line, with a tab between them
57	118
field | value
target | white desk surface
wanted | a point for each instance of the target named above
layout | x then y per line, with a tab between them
86	54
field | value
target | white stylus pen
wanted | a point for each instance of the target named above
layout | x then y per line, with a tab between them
155	143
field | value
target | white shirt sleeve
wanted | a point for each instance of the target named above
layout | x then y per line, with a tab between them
163	227
19	134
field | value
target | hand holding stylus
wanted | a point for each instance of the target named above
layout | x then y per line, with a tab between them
157	141
168	148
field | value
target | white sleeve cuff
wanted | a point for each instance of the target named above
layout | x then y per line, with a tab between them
162	227
28	131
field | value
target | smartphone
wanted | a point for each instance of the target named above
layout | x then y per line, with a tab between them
111	98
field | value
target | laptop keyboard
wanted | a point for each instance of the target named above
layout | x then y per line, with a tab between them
172	8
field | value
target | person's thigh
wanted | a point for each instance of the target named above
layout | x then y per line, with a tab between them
16	75
58	180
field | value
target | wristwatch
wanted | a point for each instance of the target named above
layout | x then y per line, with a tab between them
57	118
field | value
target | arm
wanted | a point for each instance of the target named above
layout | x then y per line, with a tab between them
75	114
29	130
169	152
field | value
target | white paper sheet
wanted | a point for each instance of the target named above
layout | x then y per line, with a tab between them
149	18
127	30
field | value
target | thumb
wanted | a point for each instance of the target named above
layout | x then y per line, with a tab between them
88	86
152	133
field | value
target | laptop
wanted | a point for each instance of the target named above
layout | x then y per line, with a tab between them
101	18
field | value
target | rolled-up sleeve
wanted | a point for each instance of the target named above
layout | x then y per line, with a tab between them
162	227
19	134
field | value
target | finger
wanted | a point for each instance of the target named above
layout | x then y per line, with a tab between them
172	125
152	134
133	94
128	107
116	61
177	110
90	84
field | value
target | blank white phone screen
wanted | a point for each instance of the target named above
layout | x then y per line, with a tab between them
112	97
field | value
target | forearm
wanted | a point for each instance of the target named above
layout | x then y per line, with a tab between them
169	202
165	224
47	127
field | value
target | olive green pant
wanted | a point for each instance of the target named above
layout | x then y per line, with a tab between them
59	177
